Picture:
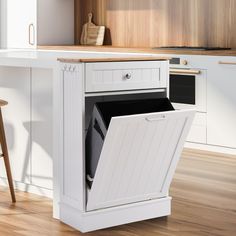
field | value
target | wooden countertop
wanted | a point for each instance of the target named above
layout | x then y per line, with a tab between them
140	50
115	59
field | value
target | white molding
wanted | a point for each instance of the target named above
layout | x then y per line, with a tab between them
105	218
29	188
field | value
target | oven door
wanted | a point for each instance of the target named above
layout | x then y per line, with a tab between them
188	89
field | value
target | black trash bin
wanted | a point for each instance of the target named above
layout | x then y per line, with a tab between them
101	117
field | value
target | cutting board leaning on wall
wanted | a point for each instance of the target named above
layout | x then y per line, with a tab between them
91	33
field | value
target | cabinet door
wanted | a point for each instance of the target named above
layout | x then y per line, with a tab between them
139	158
15	88
18	23
41	125
198	131
221	117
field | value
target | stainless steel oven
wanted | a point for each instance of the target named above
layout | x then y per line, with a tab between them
188	88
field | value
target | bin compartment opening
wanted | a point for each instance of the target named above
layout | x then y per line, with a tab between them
100	120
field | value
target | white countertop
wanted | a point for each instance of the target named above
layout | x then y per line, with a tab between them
48	59
43	58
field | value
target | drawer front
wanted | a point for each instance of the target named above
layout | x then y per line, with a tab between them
198	131
118	76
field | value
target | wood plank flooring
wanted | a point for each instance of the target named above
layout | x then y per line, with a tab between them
204	204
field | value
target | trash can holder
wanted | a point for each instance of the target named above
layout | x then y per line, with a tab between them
100	120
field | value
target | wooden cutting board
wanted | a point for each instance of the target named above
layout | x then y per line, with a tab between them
91	33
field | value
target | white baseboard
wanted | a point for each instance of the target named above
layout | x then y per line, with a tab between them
211	148
105	218
29	188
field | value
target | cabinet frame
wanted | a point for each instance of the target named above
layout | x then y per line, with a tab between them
73	194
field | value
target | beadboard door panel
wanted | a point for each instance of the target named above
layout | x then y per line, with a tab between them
139	158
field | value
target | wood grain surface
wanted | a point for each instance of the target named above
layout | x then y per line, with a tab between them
149	23
204	204
138	50
114	59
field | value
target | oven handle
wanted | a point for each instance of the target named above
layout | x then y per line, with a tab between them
174	71
227	63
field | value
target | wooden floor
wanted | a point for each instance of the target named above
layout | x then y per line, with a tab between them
204	204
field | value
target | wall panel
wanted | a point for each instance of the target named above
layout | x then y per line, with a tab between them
149	23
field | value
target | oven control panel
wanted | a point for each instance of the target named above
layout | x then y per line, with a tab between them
178	61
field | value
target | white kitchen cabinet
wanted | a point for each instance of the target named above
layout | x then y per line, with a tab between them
198	131
15	88
41	125
214	126
139	155
221	101
28	23
18	23
28	124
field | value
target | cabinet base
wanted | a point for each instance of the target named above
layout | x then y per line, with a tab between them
105	218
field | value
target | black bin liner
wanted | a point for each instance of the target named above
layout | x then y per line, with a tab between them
101	117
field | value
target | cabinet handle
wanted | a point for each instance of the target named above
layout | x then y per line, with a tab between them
184	72
31	28
154	119
227	63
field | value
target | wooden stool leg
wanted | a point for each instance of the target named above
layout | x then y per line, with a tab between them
6	157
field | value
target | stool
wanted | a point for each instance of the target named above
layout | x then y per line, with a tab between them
4	154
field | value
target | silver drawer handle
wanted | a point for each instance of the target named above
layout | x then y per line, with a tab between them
153	119
227	63
128	76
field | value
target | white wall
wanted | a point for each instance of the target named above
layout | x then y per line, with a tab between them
53	16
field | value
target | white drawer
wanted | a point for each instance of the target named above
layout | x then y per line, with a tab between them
117	76
198	131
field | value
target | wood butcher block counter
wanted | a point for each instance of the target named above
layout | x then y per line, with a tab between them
119	59
141	50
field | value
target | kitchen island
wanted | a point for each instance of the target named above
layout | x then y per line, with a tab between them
46	121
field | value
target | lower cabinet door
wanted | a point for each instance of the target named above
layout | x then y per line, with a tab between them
41	128
139	158
198	131
221	100
15	88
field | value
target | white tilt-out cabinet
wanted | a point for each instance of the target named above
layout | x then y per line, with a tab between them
140	152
